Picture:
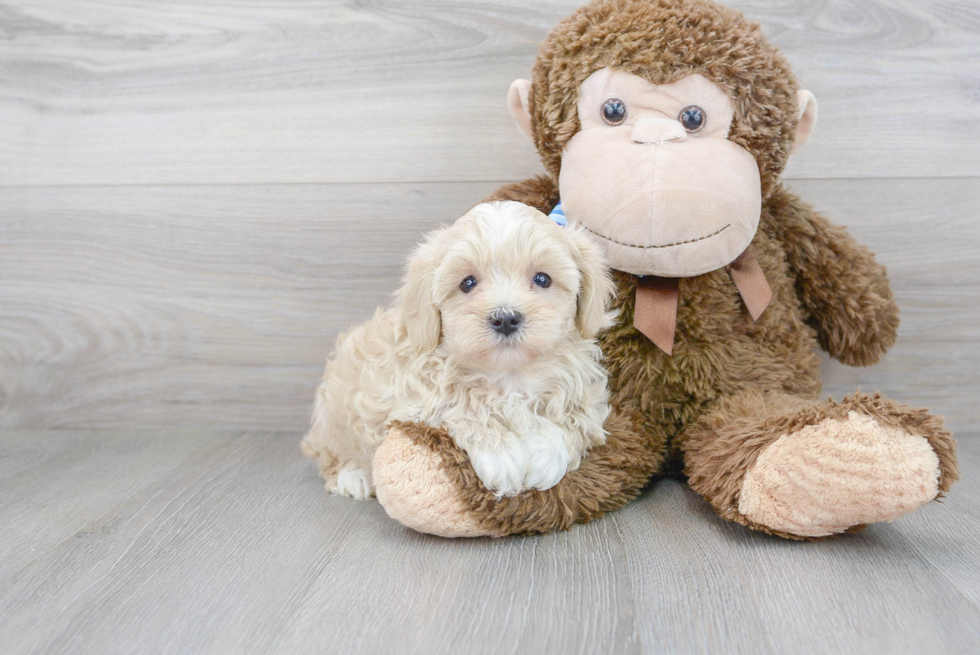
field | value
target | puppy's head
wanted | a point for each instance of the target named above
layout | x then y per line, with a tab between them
503	286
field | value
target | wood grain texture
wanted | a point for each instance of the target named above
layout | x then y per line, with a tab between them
197	196
216	306
217	542
144	92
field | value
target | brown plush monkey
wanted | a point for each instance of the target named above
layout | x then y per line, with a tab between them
663	126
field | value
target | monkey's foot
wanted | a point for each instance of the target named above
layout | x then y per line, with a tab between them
839	473
417	491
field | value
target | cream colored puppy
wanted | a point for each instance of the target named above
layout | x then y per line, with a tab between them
491	338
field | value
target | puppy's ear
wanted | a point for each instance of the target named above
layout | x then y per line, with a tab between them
417	317
596	289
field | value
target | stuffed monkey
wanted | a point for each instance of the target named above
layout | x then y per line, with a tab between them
663	126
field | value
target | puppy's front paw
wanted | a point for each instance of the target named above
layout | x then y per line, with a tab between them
351	481
547	463
502	471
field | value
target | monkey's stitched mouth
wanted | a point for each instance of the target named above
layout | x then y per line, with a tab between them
666	245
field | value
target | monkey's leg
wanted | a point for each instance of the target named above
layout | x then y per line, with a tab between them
804	469
426	482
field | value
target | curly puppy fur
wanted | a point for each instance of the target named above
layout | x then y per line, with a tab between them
524	405
733	386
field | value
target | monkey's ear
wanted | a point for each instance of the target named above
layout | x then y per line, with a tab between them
807	113
417	317
518	99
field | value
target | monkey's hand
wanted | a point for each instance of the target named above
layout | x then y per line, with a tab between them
844	290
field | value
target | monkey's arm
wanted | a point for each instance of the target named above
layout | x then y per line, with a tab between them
538	192
426	482
842	287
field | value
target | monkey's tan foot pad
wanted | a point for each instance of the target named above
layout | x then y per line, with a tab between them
839	473
417	492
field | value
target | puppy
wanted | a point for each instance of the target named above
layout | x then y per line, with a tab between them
491	338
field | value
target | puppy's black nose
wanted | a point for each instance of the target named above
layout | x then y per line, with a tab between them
505	321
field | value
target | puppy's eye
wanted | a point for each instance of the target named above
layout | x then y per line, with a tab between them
543	280
692	118
614	111
468	284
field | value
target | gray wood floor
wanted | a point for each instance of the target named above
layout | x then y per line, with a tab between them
203	542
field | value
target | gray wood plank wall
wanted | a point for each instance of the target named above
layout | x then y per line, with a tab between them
196	197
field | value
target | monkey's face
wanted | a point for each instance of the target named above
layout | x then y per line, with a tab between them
653	177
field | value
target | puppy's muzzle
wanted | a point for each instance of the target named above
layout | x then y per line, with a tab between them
505	321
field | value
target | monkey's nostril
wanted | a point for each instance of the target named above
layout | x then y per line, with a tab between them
505	322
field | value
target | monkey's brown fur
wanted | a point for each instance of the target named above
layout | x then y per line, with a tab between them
732	386
662	41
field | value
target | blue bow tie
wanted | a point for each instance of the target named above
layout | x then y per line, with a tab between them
558	215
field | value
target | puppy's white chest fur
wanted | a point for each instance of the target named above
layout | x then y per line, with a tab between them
521	429
518	384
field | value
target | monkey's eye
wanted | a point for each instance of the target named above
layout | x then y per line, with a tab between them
543	280
468	284
692	118
614	111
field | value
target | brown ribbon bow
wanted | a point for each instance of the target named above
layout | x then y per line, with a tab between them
655	312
